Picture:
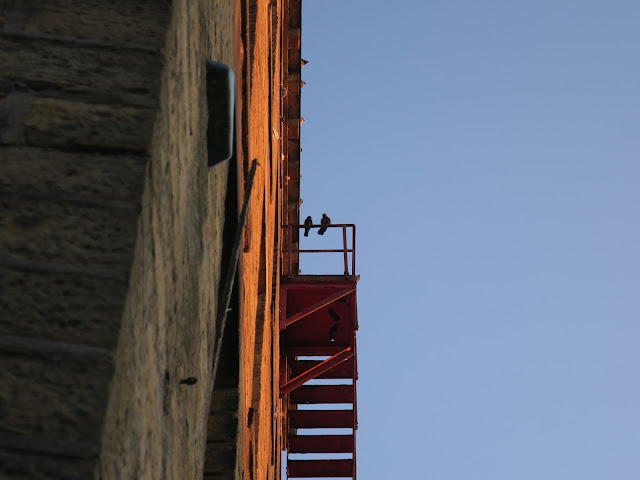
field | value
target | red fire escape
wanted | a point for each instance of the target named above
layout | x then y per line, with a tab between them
318	365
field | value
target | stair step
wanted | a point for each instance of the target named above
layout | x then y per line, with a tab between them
320	468
321	419
323	394
342	370
301	351
321	444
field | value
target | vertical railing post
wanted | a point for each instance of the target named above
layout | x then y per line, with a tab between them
290	241
344	248
353	254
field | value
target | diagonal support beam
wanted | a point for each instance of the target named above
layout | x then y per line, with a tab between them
319	369
317	306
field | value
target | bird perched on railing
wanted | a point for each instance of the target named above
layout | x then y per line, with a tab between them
307	225
325	222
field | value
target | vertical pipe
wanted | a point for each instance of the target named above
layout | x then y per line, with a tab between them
221	318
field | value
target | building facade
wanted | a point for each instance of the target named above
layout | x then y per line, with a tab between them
116	234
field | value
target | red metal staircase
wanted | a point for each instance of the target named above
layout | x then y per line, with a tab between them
318	364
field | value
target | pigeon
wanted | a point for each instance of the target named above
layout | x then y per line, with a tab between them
307	225
188	381
325	222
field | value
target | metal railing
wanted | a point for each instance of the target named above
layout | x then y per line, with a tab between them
345	250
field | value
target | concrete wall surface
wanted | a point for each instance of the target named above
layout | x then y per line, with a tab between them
156	427
110	235
115	236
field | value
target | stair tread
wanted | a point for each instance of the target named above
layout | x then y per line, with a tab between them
342	468
312	394
317	351
321	418
344	369
321	444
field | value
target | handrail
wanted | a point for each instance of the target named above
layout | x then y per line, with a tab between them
344	250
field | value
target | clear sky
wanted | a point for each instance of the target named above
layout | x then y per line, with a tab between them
489	153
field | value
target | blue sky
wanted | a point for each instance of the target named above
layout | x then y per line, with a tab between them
488	152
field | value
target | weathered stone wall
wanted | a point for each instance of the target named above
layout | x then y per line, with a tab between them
100	103
79	94
155	427
111	240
